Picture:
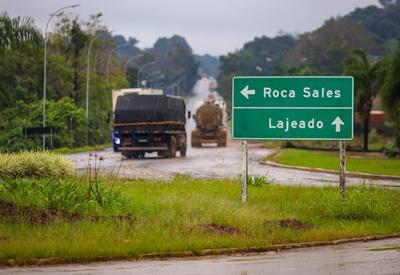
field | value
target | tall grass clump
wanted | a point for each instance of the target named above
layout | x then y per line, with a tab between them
34	165
360	203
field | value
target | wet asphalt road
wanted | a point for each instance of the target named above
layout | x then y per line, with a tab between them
377	257
211	161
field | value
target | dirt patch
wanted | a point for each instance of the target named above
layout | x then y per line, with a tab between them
3	239
219	228
39	215
289	223
35	215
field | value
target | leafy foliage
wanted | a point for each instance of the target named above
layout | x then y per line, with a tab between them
174	64
209	65
257	57
327	47
21	83
365	75
383	22
63	114
15	32
390	93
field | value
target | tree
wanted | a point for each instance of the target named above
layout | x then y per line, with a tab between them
257	57
19	65
327	47
365	75
17	31
78	42
390	93
383	22
175	59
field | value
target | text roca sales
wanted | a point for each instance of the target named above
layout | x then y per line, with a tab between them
307	92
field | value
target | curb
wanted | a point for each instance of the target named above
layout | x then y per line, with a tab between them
201	253
320	170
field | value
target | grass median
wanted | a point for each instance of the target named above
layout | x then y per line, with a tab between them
66	150
72	220
358	162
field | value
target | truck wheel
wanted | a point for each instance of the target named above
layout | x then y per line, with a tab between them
134	155
183	150
171	153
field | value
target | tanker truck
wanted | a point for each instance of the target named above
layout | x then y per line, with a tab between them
150	123
210	126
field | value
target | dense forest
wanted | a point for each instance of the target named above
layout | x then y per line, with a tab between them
169	65
208	65
364	43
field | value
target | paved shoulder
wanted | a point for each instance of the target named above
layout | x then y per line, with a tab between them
377	257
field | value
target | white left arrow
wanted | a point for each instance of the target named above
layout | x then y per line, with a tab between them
246	92
338	122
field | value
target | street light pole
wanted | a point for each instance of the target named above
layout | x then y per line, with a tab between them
129	61
88	73
88	82
178	83
150	76
110	54
45	63
141	69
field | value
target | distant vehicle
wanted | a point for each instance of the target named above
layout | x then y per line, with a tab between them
210	127
212	84
116	93
150	123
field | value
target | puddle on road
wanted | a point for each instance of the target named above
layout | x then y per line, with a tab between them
386	248
259	259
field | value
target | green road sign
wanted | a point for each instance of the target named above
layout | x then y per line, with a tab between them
303	108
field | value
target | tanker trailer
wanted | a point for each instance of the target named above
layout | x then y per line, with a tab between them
209	126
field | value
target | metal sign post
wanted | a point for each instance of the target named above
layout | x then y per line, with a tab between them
244	169
342	152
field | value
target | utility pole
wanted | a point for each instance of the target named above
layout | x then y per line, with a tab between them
109	57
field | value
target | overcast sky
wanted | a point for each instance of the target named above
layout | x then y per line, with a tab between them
210	26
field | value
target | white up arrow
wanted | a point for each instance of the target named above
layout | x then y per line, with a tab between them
337	122
246	92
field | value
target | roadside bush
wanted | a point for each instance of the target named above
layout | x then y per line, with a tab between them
391	150
258	181
34	165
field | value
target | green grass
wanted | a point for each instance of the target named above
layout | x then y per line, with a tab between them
330	160
170	217
66	150
376	142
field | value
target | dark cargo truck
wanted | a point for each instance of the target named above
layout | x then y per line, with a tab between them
150	123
